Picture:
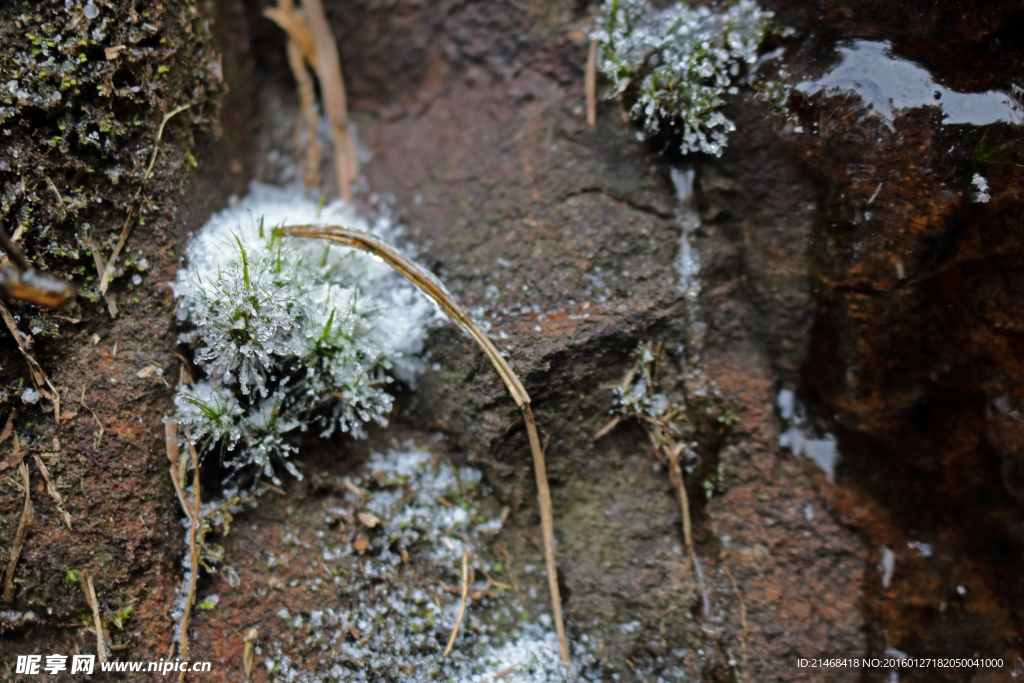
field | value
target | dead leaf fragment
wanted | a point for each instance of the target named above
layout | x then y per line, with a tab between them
15	458
248	654
9	427
147	371
369	519
112	52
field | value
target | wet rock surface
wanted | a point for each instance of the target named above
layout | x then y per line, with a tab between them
844	253
912	355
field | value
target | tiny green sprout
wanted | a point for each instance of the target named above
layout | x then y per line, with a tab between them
983	155
73	575
121	616
206	605
763	497
727	418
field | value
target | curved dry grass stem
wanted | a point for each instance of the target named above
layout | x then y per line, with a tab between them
462	604
433	288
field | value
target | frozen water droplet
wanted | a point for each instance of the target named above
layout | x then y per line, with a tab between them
91	11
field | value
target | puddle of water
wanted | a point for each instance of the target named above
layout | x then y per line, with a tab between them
888	85
799	439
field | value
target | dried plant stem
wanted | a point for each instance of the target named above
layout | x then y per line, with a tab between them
462	604
307	103
52	490
194	554
173	454
294	22
249	653
19	536
128	223
332	86
675	475
430	286
39	378
658	431
94	605
590	84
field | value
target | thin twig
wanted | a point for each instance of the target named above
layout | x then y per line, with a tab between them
159	134
675	475
39	379
743	610
52	490
590	83
307	103
294	22
60	200
128	223
19	537
194	553
94	605
506	672
658	431
332	87
99	434
433	288
174	454
612	424
462	604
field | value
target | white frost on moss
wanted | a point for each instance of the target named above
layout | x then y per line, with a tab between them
680	62
292	333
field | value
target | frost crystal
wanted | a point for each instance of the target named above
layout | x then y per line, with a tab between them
981	185
679	63
291	333
428	514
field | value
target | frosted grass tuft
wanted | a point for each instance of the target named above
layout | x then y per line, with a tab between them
680	62
292	334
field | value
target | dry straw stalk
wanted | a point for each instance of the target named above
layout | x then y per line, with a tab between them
430	286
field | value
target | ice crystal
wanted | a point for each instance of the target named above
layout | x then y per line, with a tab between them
981	196
291	334
679	63
404	626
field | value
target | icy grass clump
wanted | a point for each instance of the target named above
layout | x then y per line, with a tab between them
292	333
428	514
680	62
